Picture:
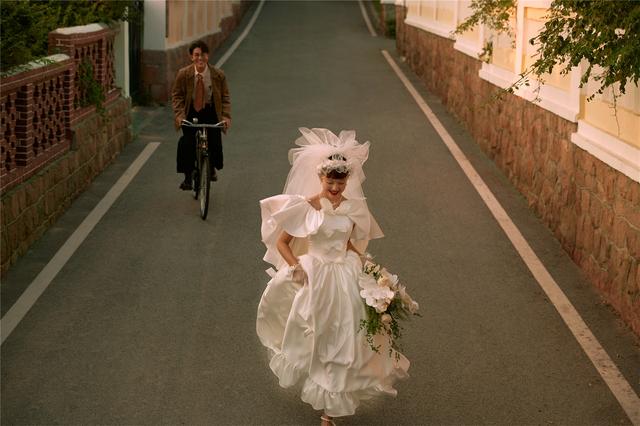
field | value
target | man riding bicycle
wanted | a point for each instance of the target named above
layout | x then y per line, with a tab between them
200	92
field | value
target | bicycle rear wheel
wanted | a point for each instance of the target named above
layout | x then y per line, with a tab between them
204	187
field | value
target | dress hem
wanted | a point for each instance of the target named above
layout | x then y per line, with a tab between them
334	404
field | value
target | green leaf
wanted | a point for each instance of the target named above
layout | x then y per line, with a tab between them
575	30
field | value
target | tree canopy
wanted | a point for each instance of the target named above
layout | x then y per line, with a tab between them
25	25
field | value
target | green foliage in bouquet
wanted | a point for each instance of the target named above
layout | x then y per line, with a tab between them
386	303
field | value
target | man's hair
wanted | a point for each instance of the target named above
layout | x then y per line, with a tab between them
198	43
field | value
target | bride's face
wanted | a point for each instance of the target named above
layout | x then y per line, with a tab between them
333	187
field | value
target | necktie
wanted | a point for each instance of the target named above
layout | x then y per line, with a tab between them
198	103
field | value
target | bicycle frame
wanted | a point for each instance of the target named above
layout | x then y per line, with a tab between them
201	173
202	146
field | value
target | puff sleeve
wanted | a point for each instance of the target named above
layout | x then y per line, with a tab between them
289	213
366	228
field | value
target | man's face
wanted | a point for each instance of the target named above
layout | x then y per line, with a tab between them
199	59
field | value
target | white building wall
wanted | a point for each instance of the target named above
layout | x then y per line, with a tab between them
121	53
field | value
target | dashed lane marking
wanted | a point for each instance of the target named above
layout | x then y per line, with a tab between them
236	43
612	376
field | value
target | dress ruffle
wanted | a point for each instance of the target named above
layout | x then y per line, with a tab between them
334	404
287	373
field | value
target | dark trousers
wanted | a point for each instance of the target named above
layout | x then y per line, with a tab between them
186	155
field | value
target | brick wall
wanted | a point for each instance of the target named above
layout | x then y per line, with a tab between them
591	208
53	144
96	47
159	67
36	108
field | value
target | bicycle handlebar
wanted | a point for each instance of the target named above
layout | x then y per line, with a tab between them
187	123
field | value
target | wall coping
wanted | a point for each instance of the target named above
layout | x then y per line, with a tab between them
34	65
431	26
621	156
468	48
549	97
81	29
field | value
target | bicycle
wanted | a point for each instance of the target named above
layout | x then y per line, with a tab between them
201	175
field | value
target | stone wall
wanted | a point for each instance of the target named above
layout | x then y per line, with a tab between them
159	67
591	208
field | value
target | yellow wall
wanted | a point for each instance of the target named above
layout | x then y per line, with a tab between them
213	12
445	12
175	15
413	7
200	17
227	8
533	23
441	11
504	51
473	35
464	11
428	9
190	19
600	113
189	30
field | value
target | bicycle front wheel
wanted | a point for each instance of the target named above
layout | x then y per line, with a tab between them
195	176
204	187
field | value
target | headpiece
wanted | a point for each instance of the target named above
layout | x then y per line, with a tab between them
335	163
320	151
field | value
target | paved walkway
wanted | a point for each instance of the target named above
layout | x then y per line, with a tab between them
152	320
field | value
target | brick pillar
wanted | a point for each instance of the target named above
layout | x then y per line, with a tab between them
93	43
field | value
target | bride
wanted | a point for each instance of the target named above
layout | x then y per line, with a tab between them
309	314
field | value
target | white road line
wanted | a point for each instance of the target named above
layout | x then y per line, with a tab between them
619	386
49	272
367	20
236	43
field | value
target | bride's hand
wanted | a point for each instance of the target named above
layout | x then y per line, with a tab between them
298	274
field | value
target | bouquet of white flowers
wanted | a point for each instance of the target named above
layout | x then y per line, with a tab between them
386	302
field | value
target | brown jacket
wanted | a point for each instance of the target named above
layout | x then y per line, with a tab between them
182	94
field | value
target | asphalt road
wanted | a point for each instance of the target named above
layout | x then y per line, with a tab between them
152	321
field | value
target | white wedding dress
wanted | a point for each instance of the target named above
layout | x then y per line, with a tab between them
312	330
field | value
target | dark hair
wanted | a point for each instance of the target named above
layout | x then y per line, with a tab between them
334	174
198	43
